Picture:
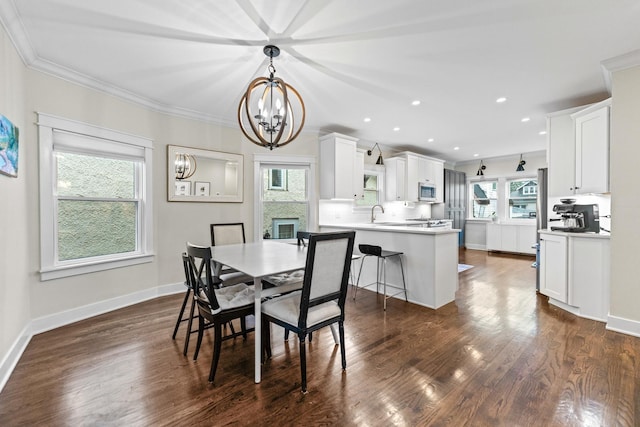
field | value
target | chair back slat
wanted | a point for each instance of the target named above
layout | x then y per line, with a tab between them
201	275
227	234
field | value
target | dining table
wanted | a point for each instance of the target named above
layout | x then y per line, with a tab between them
259	260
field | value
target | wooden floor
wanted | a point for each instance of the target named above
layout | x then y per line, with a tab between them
498	356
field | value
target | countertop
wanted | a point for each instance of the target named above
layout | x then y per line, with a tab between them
601	235
397	227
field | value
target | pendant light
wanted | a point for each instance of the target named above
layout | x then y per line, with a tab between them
271	112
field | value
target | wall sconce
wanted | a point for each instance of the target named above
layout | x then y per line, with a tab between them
185	165
380	161
521	164
481	169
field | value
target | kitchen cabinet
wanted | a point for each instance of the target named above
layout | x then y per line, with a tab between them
553	266
516	238
339	165
358	175
575	271
417	169
395	179
578	150
592	149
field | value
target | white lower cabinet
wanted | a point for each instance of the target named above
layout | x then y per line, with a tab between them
574	270
553	266
511	238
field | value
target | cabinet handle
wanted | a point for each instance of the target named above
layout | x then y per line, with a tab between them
577	188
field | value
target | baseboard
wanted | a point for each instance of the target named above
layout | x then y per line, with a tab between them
56	320
625	326
14	354
475	247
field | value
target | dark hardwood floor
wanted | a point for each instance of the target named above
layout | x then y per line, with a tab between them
500	355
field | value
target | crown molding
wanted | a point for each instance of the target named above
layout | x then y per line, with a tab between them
618	63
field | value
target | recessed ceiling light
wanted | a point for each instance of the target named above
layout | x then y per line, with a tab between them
396	129
416	102
543	132
430	140
456	148
525	119
367	119
501	100
476	155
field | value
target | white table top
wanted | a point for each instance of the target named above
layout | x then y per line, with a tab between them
261	259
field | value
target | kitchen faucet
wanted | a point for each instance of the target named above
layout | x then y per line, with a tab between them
373	216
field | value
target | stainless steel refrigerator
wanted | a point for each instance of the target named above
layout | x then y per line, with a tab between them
541	215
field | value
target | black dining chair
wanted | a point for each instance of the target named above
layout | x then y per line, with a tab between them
321	300
216	305
229	234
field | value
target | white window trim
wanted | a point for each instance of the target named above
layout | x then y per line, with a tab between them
260	160
49	267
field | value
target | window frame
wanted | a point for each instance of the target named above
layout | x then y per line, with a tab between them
113	144
472	199
508	204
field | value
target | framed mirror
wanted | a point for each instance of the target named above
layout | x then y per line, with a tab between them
197	175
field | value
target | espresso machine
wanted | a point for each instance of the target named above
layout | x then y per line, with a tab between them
577	218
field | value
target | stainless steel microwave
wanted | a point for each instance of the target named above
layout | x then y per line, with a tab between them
426	192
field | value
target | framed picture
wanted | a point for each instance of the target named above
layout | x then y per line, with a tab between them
182	188
8	148
202	189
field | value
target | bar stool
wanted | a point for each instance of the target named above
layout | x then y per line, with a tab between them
381	255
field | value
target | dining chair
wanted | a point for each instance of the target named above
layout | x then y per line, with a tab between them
216	305
229	234
321	300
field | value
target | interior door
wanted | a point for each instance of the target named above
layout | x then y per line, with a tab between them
455	199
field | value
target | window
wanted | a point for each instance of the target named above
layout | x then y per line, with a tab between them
280	213
95	198
485	199
522	198
278	179
372	189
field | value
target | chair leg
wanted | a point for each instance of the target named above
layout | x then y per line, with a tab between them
286	334
384	272
303	362
200	333
189	326
266	339
217	346
243	326
184	304
359	274
404	283
343	350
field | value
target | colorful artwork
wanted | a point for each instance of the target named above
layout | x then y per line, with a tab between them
8	147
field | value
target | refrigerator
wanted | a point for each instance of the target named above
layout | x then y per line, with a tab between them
541	215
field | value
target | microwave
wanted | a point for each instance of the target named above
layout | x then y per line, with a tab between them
426	192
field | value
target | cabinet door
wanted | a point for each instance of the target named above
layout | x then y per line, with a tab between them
358	176
413	177
395	170
561	155
509	238
592	152
438	179
553	266
526	239
494	237
345	155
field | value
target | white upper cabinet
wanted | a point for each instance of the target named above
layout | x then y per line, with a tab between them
578	150
592	149
339	166
395	179
358	175
417	169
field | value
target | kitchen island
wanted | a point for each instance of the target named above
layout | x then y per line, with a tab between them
430	259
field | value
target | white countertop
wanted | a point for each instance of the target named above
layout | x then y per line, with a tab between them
601	235
394	227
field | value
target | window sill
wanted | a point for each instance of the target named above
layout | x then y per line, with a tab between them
85	268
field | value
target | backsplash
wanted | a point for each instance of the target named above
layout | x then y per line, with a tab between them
345	212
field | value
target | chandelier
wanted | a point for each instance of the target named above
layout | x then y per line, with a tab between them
266	112
185	165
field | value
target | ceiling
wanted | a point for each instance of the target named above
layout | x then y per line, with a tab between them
348	59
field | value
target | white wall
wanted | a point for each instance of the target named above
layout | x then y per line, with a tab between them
625	199
16	203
